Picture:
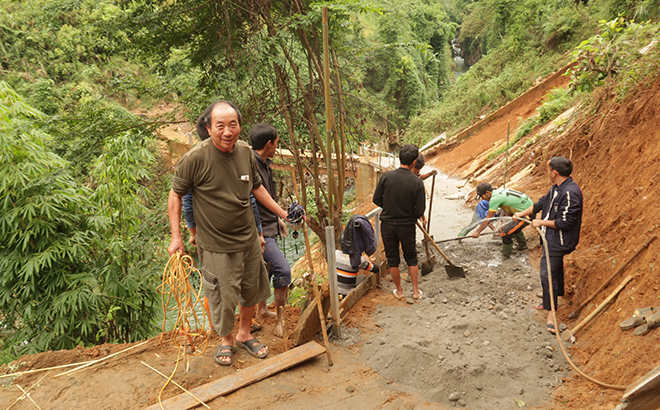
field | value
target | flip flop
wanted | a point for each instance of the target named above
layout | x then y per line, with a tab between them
550	328
396	295
255	326
539	306
421	295
219	353
253	349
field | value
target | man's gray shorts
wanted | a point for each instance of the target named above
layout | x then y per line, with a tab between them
229	278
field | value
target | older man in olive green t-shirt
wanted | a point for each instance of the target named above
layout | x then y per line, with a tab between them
222	173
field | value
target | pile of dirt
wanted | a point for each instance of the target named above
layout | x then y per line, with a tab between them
133	385
616	157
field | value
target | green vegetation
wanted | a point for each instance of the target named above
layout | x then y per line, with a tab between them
556	102
75	268
87	83
618	48
516	42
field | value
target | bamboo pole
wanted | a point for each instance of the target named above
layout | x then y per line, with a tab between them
102	359
28	396
328	116
44	369
506	163
569	334
25	392
324	330
308	249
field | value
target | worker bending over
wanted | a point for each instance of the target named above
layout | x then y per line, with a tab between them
510	201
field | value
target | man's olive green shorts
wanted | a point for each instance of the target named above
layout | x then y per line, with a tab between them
229	278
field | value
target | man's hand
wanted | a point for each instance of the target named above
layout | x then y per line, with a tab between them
284	231
193	234
518	215
176	245
434	172
262	242
423	220
537	223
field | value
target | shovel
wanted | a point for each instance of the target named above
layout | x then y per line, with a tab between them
453	271
428	265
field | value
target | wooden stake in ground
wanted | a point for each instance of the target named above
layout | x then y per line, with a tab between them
285	333
570	334
317	296
608	280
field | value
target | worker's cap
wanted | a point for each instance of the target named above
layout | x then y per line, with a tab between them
482	188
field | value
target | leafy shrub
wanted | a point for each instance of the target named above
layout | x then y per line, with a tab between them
616	48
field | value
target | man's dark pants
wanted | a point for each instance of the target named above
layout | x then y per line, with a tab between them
393	235
280	270
557	269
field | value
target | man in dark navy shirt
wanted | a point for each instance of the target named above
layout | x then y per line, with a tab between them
560	221
401	195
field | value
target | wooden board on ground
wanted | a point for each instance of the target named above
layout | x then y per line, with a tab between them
644	394
355	295
309	324
245	377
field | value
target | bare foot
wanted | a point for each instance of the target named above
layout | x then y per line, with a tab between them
266	314
277	331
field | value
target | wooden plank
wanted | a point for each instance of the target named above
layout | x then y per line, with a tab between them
309	324
355	295
236	381
644	394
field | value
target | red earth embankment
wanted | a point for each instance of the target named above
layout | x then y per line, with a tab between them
616	155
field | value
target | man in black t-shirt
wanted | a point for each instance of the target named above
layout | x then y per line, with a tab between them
401	195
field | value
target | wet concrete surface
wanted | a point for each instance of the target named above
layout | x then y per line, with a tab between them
474	343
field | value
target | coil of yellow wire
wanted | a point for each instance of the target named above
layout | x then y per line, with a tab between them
178	294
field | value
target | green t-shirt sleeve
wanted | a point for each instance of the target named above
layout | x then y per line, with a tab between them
495	202
256	178
183	176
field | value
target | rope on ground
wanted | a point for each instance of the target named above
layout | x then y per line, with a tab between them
178	294
554	318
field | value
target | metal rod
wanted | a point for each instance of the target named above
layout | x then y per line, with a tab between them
377	234
332	278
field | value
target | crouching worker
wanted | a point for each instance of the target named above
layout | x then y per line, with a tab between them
510	201
222	172
357	237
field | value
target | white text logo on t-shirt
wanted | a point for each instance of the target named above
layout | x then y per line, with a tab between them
245	178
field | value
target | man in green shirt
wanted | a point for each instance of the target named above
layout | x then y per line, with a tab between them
222	173
510	201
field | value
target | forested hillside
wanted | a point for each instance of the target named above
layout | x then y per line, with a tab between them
83	224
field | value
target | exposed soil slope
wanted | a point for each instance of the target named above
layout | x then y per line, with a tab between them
617	164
